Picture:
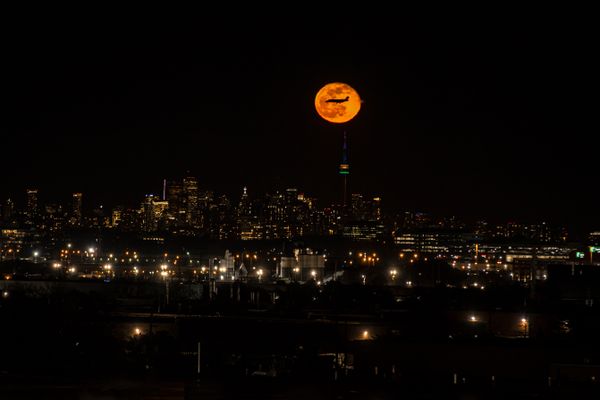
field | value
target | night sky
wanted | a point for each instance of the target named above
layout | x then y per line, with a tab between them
488	119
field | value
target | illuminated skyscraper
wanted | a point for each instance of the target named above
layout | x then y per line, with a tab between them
116	216
357	206
175	199
190	199
148	221
153	211
244	217
76	212
31	209
376	209
8	210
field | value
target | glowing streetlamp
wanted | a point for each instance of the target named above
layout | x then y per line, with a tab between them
524	325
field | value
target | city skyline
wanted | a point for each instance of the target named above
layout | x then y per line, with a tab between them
351	207
19	201
451	123
185	208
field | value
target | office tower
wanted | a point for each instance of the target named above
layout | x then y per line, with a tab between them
31	209
76	211
190	200
8	210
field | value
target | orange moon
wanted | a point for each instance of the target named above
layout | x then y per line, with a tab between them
337	102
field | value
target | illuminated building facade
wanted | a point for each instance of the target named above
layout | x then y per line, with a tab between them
76	212
154	212
190	201
434	241
305	264
8	211
175	198
364	222
31	211
594	238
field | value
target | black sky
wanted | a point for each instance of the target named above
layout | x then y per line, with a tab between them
488	118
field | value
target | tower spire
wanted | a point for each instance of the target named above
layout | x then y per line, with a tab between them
345	168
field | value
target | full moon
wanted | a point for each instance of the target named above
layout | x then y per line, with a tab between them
337	102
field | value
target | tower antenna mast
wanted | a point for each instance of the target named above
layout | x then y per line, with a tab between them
345	168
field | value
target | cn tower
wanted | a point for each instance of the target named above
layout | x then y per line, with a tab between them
345	168
339	103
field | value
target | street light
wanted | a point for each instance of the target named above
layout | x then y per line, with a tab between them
260	274
524	324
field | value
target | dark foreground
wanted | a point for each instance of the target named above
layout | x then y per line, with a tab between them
335	342
272	388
